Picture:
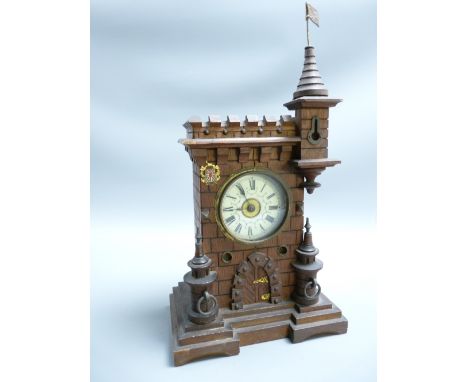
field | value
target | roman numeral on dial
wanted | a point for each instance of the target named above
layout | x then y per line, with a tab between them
250	231
230	219
238	228
271	219
228	209
272	208
252	184
270	196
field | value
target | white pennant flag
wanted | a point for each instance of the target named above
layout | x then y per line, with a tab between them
312	14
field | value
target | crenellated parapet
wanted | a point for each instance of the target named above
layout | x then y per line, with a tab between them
305	135
234	127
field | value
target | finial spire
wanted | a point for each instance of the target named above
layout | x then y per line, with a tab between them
198	244
199	257
307	244
307	225
310	83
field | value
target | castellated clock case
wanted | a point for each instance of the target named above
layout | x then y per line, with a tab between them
254	275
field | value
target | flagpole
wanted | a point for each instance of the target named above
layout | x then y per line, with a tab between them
311	15
307	25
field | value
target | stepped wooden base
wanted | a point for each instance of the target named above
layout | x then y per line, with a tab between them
253	324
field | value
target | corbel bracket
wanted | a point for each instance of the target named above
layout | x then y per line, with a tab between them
311	168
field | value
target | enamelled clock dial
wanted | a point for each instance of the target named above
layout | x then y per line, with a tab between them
253	206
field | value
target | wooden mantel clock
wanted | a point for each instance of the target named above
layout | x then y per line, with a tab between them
254	274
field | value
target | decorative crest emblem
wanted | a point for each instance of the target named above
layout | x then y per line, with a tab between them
210	173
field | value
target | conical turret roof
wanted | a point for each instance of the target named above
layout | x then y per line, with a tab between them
310	83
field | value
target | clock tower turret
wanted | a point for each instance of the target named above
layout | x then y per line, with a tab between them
311	106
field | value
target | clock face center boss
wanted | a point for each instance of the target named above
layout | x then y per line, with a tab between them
253	277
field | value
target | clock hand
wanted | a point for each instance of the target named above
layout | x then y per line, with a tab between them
241	190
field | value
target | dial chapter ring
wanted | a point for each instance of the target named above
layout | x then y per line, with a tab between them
246	209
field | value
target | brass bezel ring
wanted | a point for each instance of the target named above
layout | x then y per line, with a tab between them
257	170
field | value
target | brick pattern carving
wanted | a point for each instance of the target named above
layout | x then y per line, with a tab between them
304	124
280	248
232	159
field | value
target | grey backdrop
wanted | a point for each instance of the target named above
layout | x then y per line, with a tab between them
154	64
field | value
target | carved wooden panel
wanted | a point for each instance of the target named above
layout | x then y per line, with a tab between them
256	280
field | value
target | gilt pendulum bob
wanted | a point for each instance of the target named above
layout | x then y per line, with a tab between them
254	276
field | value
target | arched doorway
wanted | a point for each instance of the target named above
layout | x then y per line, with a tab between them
256	281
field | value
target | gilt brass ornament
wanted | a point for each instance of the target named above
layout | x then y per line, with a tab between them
210	173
